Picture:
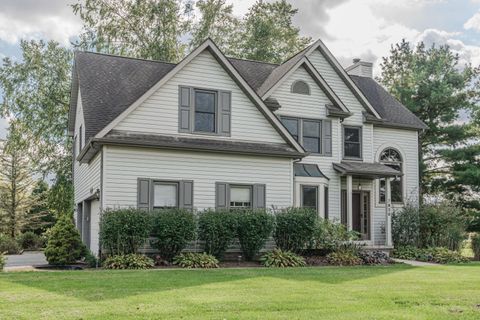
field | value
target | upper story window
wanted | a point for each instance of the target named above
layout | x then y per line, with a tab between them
300	87
314	135
352	142
204	111
392	158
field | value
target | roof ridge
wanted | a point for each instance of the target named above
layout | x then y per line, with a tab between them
124	57
256	61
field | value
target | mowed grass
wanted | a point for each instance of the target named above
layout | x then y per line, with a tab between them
393	292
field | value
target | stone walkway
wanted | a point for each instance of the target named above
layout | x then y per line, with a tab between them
417	263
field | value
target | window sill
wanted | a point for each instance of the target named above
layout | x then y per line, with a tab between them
352	158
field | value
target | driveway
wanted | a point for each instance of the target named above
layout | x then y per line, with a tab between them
27	259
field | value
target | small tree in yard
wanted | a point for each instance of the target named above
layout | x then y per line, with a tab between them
64	243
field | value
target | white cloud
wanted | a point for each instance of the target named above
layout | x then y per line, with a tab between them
473	23
34	19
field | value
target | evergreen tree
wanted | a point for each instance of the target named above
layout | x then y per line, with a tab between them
444	95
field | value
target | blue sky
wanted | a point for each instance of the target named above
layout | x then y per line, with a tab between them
350	28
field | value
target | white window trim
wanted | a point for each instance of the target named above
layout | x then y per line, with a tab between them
318	182
380	149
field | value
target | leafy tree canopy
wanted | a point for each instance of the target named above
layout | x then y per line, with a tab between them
445	95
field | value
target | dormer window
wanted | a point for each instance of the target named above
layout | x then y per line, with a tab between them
300	87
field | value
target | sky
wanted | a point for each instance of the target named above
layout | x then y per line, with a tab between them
363	29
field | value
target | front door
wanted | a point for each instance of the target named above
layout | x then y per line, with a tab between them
360	212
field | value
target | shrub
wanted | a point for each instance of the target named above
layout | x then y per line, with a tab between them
128	261
294	228
476	246
9	245
218	230
437	255
374	257
64	244
346	254
343	258
442	225
174	229
282	259
253	229
91	260
328	235
196	260
124	231
2	261
30	241
405	226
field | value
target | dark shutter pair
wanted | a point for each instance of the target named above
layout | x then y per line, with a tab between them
222	196
186	114
145	194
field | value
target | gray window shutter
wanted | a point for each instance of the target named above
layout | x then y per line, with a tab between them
186	195
143	194
185	101
224	112
259	196
221	195
327	137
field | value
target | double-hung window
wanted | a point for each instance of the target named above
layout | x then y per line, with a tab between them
205	111
352	142
310	197
240	197
314	135
165	195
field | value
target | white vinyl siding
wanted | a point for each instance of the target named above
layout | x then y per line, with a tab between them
159	113
86	175
123	166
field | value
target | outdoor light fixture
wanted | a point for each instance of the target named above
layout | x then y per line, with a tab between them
359	186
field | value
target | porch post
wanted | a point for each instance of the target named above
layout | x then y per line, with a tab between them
321	202
349	202
388	205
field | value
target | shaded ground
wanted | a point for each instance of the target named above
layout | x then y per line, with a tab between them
386	292
26	259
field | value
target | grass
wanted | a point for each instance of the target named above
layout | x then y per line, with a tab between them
393	292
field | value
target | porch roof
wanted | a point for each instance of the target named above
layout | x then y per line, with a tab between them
308	170
365	169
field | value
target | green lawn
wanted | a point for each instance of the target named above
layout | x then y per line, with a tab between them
393	292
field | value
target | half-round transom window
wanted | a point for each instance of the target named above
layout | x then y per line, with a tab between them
300	87
392	158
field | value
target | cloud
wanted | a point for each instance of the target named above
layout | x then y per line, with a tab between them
473	23
33	19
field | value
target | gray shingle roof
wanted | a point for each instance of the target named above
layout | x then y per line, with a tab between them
390	109
117	137
365	169
307	170
110	84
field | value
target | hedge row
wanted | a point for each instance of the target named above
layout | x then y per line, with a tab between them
294	229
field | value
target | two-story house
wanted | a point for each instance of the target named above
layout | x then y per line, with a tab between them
218	132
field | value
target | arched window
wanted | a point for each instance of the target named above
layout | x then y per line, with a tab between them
300	87
392	158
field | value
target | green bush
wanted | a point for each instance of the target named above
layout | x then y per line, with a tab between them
218	229
124	231
476	246
2	261
64	244
436	255
173	230
294	228
128	261
442	225
91	260
346	254
406	226
30	241
282	259
328	235
9	245
192	260
254	227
